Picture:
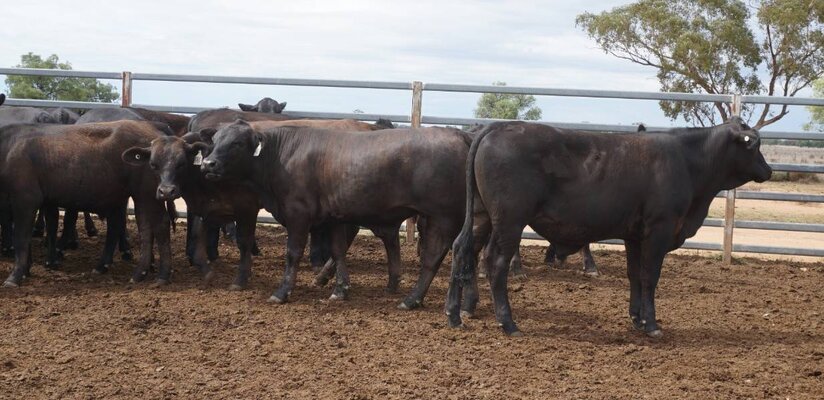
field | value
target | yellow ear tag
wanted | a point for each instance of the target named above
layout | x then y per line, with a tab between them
198	158
258	149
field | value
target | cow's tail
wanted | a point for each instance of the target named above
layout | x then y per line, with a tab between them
463	249
172	211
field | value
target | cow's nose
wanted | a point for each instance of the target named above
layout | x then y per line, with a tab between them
166	192
208	164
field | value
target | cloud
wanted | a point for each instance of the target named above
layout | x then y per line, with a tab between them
524	43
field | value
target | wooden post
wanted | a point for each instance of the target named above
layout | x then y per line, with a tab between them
729	211
126	96
417	99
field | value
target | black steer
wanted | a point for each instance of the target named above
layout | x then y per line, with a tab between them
308	177
265	105
652	190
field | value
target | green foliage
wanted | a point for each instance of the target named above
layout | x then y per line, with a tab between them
708	46
816	112
507	106
57	88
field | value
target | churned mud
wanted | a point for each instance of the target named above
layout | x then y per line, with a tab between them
753	330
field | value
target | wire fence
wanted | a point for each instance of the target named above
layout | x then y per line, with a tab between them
416	118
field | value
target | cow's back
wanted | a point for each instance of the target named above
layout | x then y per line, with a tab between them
215	118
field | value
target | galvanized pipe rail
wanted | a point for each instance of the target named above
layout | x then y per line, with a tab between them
416	119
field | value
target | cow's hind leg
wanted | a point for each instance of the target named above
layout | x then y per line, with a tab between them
68	238
590	269
88	224
39	225
339	246
52	219
6	232
23	224
459	285
113	228
392	243
434	242
503	244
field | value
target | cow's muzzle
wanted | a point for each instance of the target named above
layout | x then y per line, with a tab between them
167	192
211	169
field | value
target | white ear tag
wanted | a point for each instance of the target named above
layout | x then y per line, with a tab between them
198	158
258	149
746	139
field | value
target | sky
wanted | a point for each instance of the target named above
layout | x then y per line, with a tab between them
522	43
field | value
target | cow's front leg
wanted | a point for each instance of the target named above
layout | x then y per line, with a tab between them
297	236
653	249
245	236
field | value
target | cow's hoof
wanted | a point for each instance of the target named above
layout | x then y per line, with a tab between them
591	274
37	233
465	314
339	295
521	276
127	255
656	334
515	333
236	288
11	284
320	281
92	233
53	266
276	300
391	289
410	304
100	270
160	282
454	320
208	276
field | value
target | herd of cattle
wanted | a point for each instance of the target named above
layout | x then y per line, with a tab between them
323	179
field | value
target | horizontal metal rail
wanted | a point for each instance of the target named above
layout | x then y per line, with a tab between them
604	94
64	73
300	114
767	225
273	81
776	196
82	105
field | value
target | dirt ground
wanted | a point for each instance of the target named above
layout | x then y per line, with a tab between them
753	330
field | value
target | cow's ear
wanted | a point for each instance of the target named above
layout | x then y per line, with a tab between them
136	156
246	107
280	107
195	147
641	128
206	134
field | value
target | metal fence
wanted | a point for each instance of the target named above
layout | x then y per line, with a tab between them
415	118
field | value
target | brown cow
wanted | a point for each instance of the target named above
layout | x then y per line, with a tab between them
80	166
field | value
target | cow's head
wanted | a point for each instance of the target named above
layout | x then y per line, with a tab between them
743	153
234	148
172	159
265	105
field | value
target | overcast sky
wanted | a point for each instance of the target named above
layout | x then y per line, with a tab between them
520	42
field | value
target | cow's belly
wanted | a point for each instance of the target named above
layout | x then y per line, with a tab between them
582	223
